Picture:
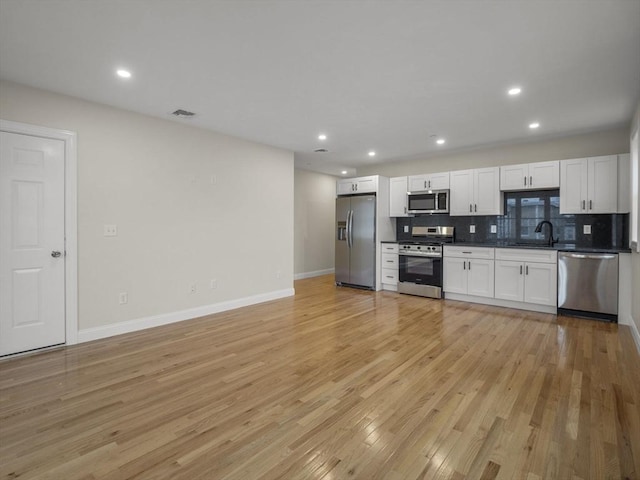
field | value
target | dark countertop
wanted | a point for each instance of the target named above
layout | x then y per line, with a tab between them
561	247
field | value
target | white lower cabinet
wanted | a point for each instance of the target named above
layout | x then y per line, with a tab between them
508	277
468	271
389	270
528	276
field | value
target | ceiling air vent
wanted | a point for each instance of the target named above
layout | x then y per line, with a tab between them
321	150
183	113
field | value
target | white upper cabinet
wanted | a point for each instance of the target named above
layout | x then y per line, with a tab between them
430	181
539	176
476	192
461	197
398	197
590	185
349	186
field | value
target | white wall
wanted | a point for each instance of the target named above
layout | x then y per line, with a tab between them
315	201
575	146
152	178
635	258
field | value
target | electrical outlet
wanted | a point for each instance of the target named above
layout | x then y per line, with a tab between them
214	284
123	298
494	229
110	230
193	288
406	229
472	229
278	274
586	229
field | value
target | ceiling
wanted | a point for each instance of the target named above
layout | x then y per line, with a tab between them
388	76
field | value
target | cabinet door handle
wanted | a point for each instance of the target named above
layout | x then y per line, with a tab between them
520	269
530	181
405	209
475	207
464	265
525	181
583	205
590	204
526	270
469	265
470	208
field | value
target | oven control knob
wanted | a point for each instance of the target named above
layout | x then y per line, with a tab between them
418	248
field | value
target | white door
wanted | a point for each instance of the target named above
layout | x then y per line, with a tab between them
573	186
603	184
487	194
481	277
455	275
32	267
544	174
345	187
461	200
398	197
541	283
509	283
367	184
514	177
438	181
418	183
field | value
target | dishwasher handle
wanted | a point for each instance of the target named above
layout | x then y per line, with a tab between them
591	256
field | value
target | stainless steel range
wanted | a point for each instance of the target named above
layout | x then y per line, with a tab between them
420	261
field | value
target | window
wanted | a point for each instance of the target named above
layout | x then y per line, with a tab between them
635	186
524	210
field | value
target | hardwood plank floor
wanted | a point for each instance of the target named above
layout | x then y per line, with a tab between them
331	384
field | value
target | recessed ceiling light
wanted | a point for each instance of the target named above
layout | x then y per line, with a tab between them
534	125
372	153
322	136
123	73
515	91
440	141
344	172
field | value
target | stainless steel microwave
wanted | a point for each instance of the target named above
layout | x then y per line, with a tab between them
435	201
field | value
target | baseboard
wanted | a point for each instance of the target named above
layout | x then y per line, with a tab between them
497	302
317	273
635	334
96	333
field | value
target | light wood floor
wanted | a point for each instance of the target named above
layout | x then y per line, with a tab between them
333	384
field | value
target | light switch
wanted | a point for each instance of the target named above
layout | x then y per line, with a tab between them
110	230
586	229
494	229
472	229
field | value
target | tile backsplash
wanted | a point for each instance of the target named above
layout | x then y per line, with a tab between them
523	211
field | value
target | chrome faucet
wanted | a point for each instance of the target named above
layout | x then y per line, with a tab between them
551	240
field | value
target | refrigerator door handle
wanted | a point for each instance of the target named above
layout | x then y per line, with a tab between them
350	229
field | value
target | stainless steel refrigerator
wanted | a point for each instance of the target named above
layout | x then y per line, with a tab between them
356	241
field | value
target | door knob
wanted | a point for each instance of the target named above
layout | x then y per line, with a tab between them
55	254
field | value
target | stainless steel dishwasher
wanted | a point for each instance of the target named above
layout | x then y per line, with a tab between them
588	285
